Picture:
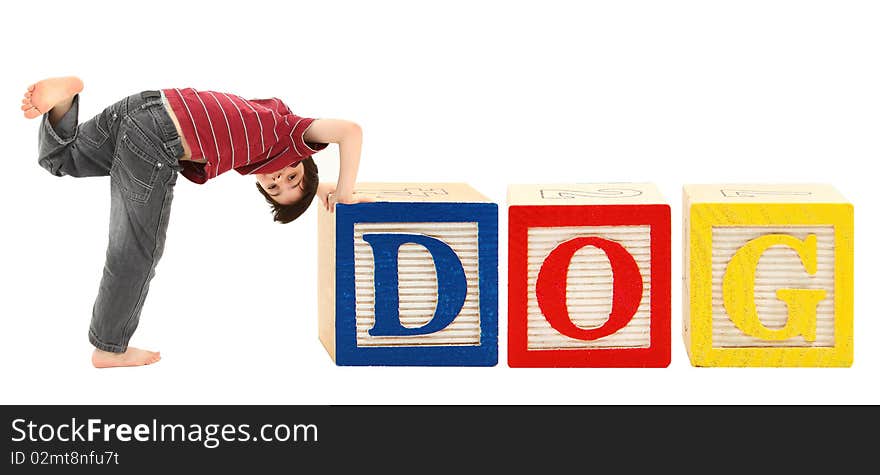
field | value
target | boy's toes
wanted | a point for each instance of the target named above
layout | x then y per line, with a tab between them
26	105
31	87
32	113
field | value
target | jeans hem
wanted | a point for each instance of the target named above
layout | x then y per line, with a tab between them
66	125
93	339
54	134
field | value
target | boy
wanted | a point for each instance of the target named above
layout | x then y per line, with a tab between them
143	141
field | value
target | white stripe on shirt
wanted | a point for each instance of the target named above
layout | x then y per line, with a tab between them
292	141
211	123
247	141
228	129
259	121
274	126
274	121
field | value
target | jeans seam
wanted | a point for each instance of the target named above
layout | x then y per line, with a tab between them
126	333
92	142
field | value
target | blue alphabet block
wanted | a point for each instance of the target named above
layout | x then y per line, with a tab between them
410	279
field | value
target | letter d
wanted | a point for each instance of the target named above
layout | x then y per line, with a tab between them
451	283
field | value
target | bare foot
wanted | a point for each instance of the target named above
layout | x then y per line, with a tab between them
41	97
131	357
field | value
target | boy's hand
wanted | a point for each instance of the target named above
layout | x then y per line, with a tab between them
324	191
329	197
349	137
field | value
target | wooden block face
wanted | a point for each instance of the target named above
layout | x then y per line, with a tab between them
416	282
768	283
589	284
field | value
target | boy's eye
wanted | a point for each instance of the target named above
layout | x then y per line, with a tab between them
291	177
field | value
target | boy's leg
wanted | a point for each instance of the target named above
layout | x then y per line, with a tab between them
142	179
65	146
135	142
69	148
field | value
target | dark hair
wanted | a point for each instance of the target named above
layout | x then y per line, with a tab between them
287	213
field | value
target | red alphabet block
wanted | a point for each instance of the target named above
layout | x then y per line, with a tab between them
588	276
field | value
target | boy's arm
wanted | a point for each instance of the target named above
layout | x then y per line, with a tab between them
348	136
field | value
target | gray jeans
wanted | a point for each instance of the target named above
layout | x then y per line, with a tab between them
133	141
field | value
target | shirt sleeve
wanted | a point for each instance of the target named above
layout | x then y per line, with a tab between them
299	135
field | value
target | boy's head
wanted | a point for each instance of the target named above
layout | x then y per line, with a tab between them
290	190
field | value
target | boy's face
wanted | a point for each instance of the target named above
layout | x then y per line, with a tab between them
285	186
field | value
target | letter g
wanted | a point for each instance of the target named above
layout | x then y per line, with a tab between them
738	289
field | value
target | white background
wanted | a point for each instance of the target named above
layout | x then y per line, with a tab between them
488	93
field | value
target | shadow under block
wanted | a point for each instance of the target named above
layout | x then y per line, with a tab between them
588	276
768	275
410	279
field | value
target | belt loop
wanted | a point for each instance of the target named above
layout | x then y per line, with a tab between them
150	95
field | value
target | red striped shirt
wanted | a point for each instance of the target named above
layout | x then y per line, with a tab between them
248	135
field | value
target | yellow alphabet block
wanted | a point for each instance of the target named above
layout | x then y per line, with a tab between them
768	275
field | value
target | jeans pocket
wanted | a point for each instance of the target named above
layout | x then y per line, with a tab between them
136	165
